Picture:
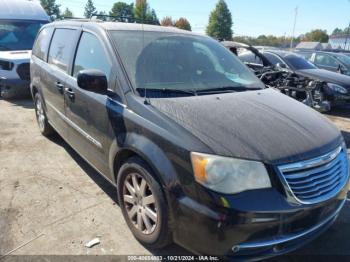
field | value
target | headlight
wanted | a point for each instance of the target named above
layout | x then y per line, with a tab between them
337	88
229	175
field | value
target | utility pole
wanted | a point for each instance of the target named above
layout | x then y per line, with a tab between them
295	23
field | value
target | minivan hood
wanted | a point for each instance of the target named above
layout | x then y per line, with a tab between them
15	55
257	125
326	76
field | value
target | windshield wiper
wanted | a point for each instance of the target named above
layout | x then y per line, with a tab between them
167	91
226	89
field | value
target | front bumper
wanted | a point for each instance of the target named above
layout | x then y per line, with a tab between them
252	230
14	87
284	244
336	98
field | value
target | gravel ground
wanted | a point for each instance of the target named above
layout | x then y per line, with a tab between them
52	202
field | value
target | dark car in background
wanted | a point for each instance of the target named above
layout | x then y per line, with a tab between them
335	87
201	153
335	62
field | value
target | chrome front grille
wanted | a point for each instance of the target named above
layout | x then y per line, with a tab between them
317	179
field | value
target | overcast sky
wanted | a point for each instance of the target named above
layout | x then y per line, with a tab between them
250	17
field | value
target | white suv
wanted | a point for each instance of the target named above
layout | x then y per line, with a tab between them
20	20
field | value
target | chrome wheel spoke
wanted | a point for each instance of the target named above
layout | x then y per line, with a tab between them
130	188
129	199
135	184
143	187
146	222
151	214
132	212
148	200
139	221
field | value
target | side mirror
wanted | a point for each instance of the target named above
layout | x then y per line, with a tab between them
281	65
341	69
93	80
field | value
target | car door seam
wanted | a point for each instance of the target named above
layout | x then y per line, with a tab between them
77	128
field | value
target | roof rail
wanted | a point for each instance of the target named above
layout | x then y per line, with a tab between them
121	19
112	18
74	18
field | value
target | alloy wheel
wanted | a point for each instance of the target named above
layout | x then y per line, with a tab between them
40	115
140	203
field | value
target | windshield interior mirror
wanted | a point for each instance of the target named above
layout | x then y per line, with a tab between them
93	80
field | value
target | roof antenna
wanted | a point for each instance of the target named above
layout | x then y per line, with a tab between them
147	100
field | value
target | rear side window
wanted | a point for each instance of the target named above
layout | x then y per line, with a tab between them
249	57
91	55
42	43
273	59
326	60
62	44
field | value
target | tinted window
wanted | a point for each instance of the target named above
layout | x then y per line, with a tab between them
155	60
61	48
250	57
345	59
90	55
298	63
307	56
42	43
18	35
326	60
273	59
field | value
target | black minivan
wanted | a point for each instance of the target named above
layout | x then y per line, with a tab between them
201	153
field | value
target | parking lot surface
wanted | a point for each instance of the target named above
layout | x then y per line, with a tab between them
52	202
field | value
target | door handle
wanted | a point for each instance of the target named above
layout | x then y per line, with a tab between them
59	86
70	93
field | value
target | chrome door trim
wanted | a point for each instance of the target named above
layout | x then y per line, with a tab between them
76	127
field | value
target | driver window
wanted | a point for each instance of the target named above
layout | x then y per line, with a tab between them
326	60
91	55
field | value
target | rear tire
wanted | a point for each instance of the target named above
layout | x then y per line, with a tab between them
143	204
43	123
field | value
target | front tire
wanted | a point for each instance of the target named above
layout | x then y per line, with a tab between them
43	123
143	204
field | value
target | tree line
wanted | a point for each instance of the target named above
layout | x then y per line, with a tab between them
139	12
340	32
219	25
316	35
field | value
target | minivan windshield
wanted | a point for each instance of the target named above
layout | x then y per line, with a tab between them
165	61
18	35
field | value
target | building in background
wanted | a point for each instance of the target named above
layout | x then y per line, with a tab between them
309	46
340	41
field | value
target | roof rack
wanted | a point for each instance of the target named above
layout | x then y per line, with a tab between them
107	18
79	19
121	19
